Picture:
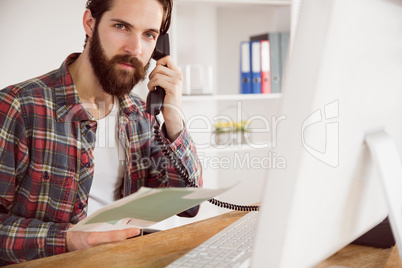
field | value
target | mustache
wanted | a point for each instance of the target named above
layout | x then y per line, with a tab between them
127	59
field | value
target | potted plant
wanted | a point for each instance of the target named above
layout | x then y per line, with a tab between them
230	132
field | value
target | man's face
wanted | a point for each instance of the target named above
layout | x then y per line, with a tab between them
122	44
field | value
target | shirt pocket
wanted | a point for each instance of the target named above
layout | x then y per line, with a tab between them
47	193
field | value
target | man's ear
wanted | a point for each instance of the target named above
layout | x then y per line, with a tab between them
89	23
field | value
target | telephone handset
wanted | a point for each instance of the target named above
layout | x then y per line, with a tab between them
155	97
154	105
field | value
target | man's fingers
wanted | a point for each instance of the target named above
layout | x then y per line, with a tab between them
83	240
112	236
133	232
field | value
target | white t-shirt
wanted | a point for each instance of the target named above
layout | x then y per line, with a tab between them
109	167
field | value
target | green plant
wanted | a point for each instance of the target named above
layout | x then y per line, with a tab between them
224	127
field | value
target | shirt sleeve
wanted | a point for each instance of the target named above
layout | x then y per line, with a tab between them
184	151
27	239
21	239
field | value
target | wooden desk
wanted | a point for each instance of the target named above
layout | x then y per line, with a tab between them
160	249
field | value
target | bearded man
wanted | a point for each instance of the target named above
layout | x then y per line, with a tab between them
76	139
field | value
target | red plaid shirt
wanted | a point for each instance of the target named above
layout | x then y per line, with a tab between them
46	161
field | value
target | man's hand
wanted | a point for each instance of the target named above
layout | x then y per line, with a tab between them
83	240
168	76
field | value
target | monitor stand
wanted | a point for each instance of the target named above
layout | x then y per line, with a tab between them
388	162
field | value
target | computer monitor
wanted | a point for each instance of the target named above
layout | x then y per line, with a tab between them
343	80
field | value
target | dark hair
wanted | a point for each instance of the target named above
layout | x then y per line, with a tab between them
99	7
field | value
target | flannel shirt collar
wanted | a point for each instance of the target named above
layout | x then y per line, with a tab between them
69	106
129	108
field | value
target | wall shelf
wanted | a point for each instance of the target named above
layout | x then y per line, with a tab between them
233	148
232	97
208	33
248	2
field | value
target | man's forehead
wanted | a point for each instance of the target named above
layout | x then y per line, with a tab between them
149	12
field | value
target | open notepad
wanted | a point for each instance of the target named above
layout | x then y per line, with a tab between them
145	207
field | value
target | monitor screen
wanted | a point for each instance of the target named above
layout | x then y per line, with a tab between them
343	80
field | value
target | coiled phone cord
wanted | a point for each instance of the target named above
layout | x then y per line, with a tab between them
178	166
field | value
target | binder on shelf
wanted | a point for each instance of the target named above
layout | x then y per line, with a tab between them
259	37
265	67
245	65
256	67
284	50
278	47
276	66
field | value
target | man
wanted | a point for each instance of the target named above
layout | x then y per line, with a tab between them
52	169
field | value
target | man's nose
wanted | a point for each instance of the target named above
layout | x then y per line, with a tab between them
133	45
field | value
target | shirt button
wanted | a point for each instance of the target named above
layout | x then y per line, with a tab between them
88	126
81	206
88	165
46	175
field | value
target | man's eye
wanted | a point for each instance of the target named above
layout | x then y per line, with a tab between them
120	26
150	35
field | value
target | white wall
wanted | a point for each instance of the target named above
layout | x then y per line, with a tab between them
36	36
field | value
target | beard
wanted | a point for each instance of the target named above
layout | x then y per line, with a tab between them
114	80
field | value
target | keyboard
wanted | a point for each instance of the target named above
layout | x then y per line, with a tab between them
231	247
